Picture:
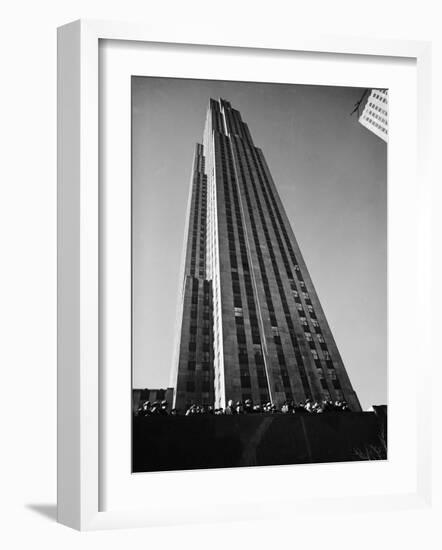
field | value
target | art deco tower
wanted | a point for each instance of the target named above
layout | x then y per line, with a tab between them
251	325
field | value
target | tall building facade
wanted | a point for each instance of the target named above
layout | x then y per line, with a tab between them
250	321
373	112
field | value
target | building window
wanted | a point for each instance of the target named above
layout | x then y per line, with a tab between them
238	312
191	365
190	386
241	347
243	358
253	320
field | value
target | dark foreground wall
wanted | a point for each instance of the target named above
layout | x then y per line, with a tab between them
205	441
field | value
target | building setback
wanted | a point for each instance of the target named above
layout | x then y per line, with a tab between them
251	325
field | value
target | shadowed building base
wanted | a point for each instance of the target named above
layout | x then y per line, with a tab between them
163	443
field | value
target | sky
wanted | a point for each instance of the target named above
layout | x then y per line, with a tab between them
331	174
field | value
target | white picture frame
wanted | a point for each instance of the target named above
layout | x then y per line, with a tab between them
79	321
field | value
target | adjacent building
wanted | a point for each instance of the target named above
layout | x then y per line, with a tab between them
250	322
373	112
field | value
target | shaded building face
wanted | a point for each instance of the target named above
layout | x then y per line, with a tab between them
252	326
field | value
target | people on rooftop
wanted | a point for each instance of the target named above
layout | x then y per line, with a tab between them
247	407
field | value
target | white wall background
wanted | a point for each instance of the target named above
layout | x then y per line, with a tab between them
28	271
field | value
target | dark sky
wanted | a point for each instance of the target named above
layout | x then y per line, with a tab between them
331	174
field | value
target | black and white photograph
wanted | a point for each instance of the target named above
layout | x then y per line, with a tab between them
221	282
259	274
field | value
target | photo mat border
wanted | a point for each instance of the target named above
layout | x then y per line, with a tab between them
118	61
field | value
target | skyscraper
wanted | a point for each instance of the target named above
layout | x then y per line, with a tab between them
251	325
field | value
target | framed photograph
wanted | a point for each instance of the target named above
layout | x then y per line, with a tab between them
234	222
